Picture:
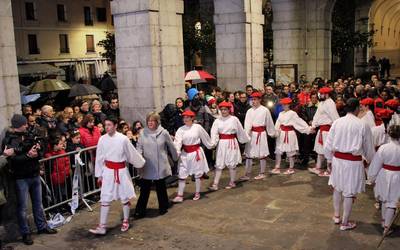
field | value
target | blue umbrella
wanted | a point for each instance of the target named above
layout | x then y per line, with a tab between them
25	99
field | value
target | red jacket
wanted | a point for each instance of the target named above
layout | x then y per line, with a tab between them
89	138
60	167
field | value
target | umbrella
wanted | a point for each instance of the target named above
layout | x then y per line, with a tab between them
49	85
107	84
82	89
23	89
25	99
198	74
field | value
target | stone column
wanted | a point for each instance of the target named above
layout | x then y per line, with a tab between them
149	54
361	24
302	31
239	43
9	85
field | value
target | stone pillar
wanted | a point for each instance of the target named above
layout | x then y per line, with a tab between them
9	85
239	43
149	54
361	23
302	35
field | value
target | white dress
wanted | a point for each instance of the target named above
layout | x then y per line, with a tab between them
369	119
291	146
387	188
379	135
326	114
194	163
116	148
395	120
349	135
258	145
228	151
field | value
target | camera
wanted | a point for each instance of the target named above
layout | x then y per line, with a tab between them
27	144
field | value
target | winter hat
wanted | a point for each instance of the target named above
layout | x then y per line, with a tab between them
191	93
18	121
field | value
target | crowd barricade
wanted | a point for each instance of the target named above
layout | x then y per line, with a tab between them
71	183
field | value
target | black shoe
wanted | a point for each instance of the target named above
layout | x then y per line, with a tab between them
162	212
47	231
139	215
205	176
27	239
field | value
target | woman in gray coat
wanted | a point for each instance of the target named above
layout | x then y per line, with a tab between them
154	144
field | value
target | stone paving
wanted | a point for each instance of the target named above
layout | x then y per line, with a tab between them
281	212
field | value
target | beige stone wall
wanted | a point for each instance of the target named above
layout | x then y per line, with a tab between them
47	28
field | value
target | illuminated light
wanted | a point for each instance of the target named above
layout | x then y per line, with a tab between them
270	104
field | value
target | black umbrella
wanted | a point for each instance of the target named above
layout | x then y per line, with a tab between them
82	89
107	84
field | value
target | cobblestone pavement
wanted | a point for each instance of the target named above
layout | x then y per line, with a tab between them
280	212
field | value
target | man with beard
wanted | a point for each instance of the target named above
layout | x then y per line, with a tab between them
324	117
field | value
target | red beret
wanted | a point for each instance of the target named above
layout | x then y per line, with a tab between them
325	90
225	105
286	101
393	103
384	113
256	94
211	101
367	101
189	113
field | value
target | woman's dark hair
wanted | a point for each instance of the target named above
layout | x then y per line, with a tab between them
134	129
394	132
121	126
55	139
86	119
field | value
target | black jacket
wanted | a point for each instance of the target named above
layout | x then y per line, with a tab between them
21	165
240	110
307	112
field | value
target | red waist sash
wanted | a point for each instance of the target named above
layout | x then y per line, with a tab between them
191	149
347	156
286	129
231	137
116	166
391	168
259	130
326	128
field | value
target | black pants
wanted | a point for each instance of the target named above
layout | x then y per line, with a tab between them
162	196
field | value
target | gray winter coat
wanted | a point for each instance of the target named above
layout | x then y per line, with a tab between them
154	147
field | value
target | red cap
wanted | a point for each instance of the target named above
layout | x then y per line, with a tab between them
225	105
211	101
384	113
286	101
256	95
367	101
393	103
325	90
189	113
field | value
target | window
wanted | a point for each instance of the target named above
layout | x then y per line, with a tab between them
61	13
30	11
101	14
64	48
88	16
90	43
32	44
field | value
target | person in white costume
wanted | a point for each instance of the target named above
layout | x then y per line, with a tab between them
394	104
114	151
192	158
366	114
226	131
348	142
379	133
288	121
384	170
324	117
257	124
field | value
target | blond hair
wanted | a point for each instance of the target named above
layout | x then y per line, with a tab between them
154	116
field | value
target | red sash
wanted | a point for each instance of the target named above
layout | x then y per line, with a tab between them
391	168
347	156
230	137
191	149
286	129
116	166
325	128
259	130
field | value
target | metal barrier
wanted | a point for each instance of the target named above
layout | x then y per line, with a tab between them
68	179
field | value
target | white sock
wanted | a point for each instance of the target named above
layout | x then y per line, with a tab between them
389	216
347	205
320	159
291	162
105	207
232	174
278	159
126	207
249	164
218	173
263	166
337	200
181	187
198	185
